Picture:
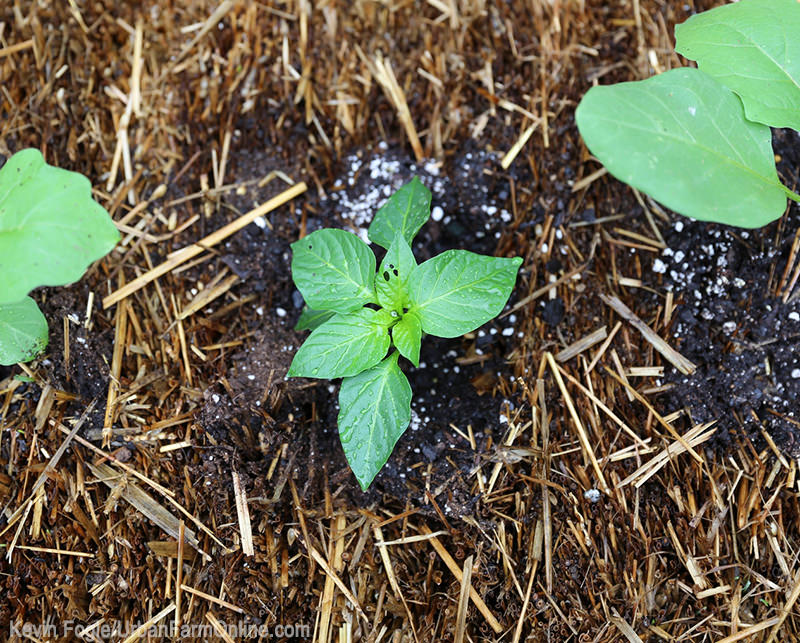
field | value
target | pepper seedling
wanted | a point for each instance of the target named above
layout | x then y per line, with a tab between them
699	140
51	230
357	315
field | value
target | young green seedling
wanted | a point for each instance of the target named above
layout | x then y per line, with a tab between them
698	140
357	315
50	231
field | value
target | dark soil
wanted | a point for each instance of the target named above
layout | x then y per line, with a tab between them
734	324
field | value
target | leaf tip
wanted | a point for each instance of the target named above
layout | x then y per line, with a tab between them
293	369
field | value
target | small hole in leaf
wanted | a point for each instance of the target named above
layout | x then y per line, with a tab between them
309	246
395	272
386	275
391	265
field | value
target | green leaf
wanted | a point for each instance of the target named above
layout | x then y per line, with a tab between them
374	411
682	138
752	47
311	319
391	281
407	336
344	345
405	212
23	332
51	229
457	291
334	270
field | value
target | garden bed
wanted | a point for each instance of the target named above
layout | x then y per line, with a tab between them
557	478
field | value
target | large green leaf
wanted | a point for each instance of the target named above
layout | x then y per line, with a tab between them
51	229
374	410
23	331
334	270
344	345
405	212
682	138
407	337
457	291
752	47
391	281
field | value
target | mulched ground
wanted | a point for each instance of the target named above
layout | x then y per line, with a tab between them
560	488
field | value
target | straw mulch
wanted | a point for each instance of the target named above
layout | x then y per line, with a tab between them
599	512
